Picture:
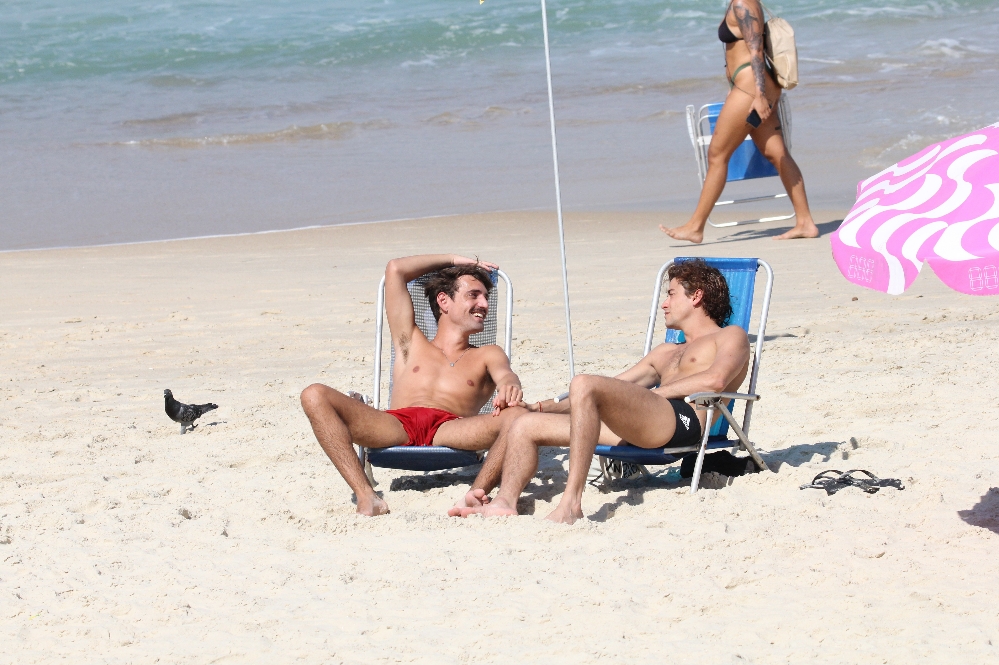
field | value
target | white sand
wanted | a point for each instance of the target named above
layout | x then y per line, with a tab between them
123	541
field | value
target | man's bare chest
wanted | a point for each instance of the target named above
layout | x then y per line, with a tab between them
687	359
429	369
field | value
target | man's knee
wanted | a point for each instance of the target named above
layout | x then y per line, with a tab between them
315	396
524	428
511	414
583	385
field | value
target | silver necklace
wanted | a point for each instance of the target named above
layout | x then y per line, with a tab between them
446	358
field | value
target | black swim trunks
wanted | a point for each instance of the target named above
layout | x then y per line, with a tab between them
688	427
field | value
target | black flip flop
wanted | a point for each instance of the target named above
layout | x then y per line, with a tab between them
838	480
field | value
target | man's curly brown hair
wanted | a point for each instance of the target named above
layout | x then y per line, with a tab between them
446	281
697	275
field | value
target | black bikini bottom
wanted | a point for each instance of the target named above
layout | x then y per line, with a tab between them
688	427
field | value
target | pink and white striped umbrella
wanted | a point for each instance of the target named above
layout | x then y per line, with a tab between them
941	207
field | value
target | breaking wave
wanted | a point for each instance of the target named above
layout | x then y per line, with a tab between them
327	131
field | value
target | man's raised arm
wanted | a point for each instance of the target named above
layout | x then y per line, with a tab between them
731	358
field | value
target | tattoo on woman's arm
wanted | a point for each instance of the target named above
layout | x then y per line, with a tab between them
752	32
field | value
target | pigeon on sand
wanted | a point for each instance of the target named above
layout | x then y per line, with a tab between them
185	414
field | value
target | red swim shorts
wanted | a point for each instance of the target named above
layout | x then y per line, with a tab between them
421	423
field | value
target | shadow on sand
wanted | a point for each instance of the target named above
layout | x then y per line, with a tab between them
795	456
550	482
434	480
770	338
985	513
755	233
546	488
636	488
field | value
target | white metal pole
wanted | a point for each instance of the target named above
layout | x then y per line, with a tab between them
558	192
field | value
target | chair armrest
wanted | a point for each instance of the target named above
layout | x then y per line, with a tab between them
704	398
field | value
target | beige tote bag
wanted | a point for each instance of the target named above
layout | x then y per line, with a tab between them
781	51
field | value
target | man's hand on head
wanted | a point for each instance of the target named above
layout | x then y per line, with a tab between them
465	261
507	396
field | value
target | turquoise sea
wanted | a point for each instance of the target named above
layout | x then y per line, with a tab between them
134	120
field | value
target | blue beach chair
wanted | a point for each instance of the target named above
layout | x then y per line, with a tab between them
747	162
430	458
740	274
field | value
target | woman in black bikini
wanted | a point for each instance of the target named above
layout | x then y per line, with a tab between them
752	88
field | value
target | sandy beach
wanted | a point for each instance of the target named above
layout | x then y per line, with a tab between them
122	541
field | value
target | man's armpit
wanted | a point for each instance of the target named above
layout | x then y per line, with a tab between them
405	341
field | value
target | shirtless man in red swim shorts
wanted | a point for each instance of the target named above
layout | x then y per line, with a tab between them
439	384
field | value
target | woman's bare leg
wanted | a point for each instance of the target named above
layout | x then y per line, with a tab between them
731	130
769	140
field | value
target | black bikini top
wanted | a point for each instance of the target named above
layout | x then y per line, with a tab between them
725	34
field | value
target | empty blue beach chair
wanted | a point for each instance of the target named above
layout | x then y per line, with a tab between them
430	458
740	274
747	163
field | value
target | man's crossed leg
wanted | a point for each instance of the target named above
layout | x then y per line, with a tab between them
628	412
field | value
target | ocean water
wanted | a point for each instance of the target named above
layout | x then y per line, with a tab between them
131	120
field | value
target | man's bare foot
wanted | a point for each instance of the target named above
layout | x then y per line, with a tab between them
473	499
684	232
372	507
800	230
566	514
497	508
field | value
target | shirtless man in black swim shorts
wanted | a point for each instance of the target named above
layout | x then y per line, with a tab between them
439	384
613	410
